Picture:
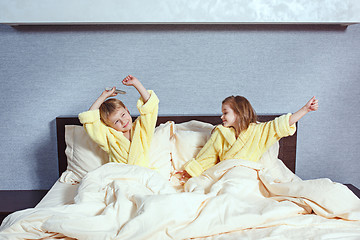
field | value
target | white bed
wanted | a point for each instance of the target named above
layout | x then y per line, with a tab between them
236	199
60	194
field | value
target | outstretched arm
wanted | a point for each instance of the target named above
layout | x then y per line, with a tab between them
133	81
104	95
311	105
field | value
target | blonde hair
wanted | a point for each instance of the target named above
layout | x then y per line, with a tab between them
108	107
243	110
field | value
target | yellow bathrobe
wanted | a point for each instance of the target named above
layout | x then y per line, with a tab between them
250	145
119	148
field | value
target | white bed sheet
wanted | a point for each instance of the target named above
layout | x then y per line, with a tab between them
59	194
236	199
55	217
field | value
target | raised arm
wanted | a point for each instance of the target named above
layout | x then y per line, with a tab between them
97	130
311	105
133	81
104	95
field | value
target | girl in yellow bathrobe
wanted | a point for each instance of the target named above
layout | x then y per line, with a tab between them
109	124
241	136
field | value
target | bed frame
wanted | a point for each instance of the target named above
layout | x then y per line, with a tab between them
287	150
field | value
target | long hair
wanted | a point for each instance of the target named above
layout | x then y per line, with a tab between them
243	110
108	107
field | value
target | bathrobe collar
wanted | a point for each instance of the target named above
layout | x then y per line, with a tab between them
123	140
236	143
228	134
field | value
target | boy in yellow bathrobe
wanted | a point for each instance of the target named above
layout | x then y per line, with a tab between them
110	125
241	136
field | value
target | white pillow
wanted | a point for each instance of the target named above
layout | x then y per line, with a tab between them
270	157
83	154
276	168
160	149
189	138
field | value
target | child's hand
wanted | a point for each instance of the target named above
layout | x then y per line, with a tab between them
104	95
130	80
312	105
183	176
133	81
111	93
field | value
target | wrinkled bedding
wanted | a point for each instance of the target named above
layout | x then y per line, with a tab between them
236	199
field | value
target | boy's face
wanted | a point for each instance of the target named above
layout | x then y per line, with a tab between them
228	116
120	120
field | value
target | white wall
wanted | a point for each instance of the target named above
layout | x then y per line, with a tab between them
47	71
178	11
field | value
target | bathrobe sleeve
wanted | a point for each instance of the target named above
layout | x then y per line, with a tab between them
208	155
144	130
148	114
270	132
95	128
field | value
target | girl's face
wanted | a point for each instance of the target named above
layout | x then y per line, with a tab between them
120	120
228	116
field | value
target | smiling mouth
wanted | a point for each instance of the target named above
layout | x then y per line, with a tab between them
126	125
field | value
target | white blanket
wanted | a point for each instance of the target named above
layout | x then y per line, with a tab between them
235	199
